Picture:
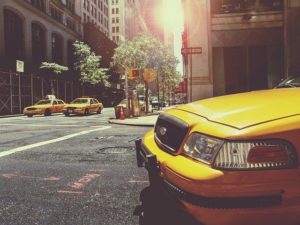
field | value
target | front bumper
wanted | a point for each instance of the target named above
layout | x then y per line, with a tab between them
241	209
148	160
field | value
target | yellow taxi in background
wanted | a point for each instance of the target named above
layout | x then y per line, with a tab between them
83	106
229	160
45	107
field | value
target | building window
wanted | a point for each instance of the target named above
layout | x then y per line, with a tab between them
71	24
88	5
117	20
13	37
113	29
239	6
117	29
70	5
117	10
57	46
38	44
40	4
113	20
56	14
84	18
112	11
70	54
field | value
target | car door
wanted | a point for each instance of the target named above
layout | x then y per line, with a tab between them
93	105
60	105
55	106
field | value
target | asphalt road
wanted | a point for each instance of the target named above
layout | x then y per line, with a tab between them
70	170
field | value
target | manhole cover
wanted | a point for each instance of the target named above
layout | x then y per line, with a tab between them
115	150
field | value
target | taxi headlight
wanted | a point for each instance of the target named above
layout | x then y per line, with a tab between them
201	147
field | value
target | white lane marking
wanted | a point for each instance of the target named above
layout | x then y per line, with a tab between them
27	147
43	125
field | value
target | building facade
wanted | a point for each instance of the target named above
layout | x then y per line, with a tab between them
238	45
125	21
97	13
38	30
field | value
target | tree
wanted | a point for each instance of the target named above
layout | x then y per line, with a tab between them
54	67
144	52
88	65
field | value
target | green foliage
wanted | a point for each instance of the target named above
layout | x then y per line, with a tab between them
56	68
146	52
88	65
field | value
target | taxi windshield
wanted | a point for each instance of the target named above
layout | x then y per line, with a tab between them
80	101
43	102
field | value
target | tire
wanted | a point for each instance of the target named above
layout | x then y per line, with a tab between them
86	112
67	114
29	115
47	112
99	110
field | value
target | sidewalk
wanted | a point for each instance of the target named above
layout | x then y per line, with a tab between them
146	121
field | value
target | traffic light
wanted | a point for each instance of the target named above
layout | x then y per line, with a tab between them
133	74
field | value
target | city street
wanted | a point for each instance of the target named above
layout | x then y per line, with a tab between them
69	170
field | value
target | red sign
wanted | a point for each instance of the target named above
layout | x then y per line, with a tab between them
181	88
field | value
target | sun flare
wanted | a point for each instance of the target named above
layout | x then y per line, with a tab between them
171	14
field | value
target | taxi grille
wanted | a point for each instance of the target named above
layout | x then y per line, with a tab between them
170	132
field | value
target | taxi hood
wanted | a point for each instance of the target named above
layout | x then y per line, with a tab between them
248	109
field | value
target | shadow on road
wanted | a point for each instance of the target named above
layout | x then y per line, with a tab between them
158	210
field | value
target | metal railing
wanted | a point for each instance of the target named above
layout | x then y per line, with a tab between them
20	90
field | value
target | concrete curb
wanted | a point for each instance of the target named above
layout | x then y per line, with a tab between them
124	122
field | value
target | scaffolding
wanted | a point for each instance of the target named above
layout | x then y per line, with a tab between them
20	90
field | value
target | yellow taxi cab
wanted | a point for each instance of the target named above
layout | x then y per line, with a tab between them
83	106
45	107
229	160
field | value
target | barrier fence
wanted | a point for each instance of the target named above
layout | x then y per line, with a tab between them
20	90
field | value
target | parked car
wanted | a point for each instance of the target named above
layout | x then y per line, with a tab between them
83	106
291	81
229	160
45	107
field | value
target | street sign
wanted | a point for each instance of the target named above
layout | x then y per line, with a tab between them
19	66
193	50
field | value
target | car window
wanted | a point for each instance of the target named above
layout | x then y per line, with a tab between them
96	101
80	101
44	102
55	102
61	102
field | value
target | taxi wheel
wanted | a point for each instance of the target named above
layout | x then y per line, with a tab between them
47	112
67	114
86	112
99	110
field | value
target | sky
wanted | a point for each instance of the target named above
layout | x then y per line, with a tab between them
173	18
